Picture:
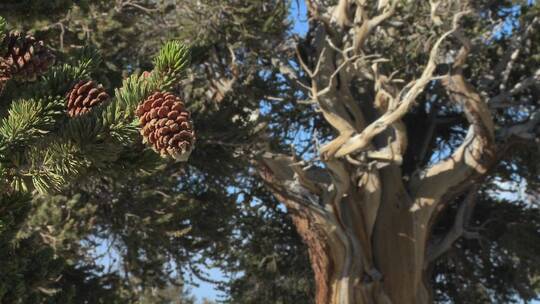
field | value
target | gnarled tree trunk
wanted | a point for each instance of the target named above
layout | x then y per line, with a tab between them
367	227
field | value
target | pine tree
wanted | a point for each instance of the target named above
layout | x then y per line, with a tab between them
44	151
250	94
168	207
431	106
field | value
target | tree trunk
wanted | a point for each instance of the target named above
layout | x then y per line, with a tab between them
351	268
395	275
367	226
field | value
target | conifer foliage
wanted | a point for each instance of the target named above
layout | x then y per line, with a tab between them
59	128
43	144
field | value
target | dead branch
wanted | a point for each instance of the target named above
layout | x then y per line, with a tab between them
360	141
473	157
219	82
524	130
459	228
505	99
364	28
504	67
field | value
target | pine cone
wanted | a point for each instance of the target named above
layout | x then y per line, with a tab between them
5	72
84	96
4	77
166	125
25	57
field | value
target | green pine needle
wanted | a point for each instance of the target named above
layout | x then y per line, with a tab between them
51	166
170	63
172	58
29	119
89	58
59	79
133	91
48	151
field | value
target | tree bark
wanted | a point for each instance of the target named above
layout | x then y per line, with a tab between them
349	267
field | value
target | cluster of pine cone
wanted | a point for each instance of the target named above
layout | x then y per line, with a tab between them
23	57
165	122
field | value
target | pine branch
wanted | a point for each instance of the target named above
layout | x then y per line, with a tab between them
12	208
170	64
88	57
51	168
29	119
59	79
134	90
43	150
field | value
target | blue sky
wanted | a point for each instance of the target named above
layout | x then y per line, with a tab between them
299	17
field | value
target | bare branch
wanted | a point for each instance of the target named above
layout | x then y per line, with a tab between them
505	99
474	156
220	83
304	66
504	67
364	29
285	175
434	15
458	230
525	130
334	74
360	141
340	14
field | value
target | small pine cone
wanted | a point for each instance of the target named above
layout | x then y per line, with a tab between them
5	72
166	125
84	96
2	84
25	57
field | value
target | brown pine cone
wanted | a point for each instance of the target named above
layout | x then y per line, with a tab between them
84	96
5	72
25	57
166	125
5	75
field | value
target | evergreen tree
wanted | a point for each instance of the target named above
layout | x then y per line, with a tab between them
253	89
428	101
60	130
168	212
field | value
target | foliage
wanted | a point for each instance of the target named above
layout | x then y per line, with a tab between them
269	253
171	220
45	153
